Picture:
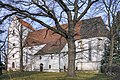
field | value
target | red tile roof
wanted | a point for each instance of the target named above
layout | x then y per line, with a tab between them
88	28
53	47
24	23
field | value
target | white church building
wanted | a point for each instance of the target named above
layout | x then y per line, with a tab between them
46	51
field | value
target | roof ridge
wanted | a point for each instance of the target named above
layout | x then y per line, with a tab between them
26	24
92	18
67	23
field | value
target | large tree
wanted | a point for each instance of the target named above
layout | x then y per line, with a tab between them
56	11
111	7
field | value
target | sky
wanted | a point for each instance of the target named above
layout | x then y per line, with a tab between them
92	12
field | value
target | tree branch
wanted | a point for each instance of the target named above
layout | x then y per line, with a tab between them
76	11
59	30
86	9
63	5
51	14
6	16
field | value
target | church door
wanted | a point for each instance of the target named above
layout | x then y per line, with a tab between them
41	67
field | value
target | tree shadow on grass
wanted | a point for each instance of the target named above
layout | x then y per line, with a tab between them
16	74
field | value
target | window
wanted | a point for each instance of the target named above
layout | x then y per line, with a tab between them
13	65
99	39
49	66
13	33
40	57
13	44
13	55
51	57
76	68
64	68
89	53
99	45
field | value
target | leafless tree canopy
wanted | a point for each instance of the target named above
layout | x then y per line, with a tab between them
55	10
46	11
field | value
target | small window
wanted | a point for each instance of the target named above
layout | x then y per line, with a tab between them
99	39
99	42
76	68
13	55
13	44
40	57
64	68
51	57
49	66
13	65
13	33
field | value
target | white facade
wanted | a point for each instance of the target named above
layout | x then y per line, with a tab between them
88	57
14	44
84	60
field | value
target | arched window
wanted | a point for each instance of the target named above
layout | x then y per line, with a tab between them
76	68
40	57
13	55
64	68
13	44
13	33
51	57
13	65
49	66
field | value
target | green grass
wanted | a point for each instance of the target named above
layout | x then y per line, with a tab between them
52	76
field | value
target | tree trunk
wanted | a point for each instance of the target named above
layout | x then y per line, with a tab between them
111	44
21	60
21	49
71	57
111	55
6	63
0	68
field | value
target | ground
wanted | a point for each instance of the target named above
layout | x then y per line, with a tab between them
52	76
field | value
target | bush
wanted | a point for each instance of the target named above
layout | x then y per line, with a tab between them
113	70
103	68
2	66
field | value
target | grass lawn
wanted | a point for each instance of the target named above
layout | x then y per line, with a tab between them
52	76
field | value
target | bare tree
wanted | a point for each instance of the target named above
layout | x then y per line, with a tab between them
111	9
55	10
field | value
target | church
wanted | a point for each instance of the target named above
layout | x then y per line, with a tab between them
46	51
